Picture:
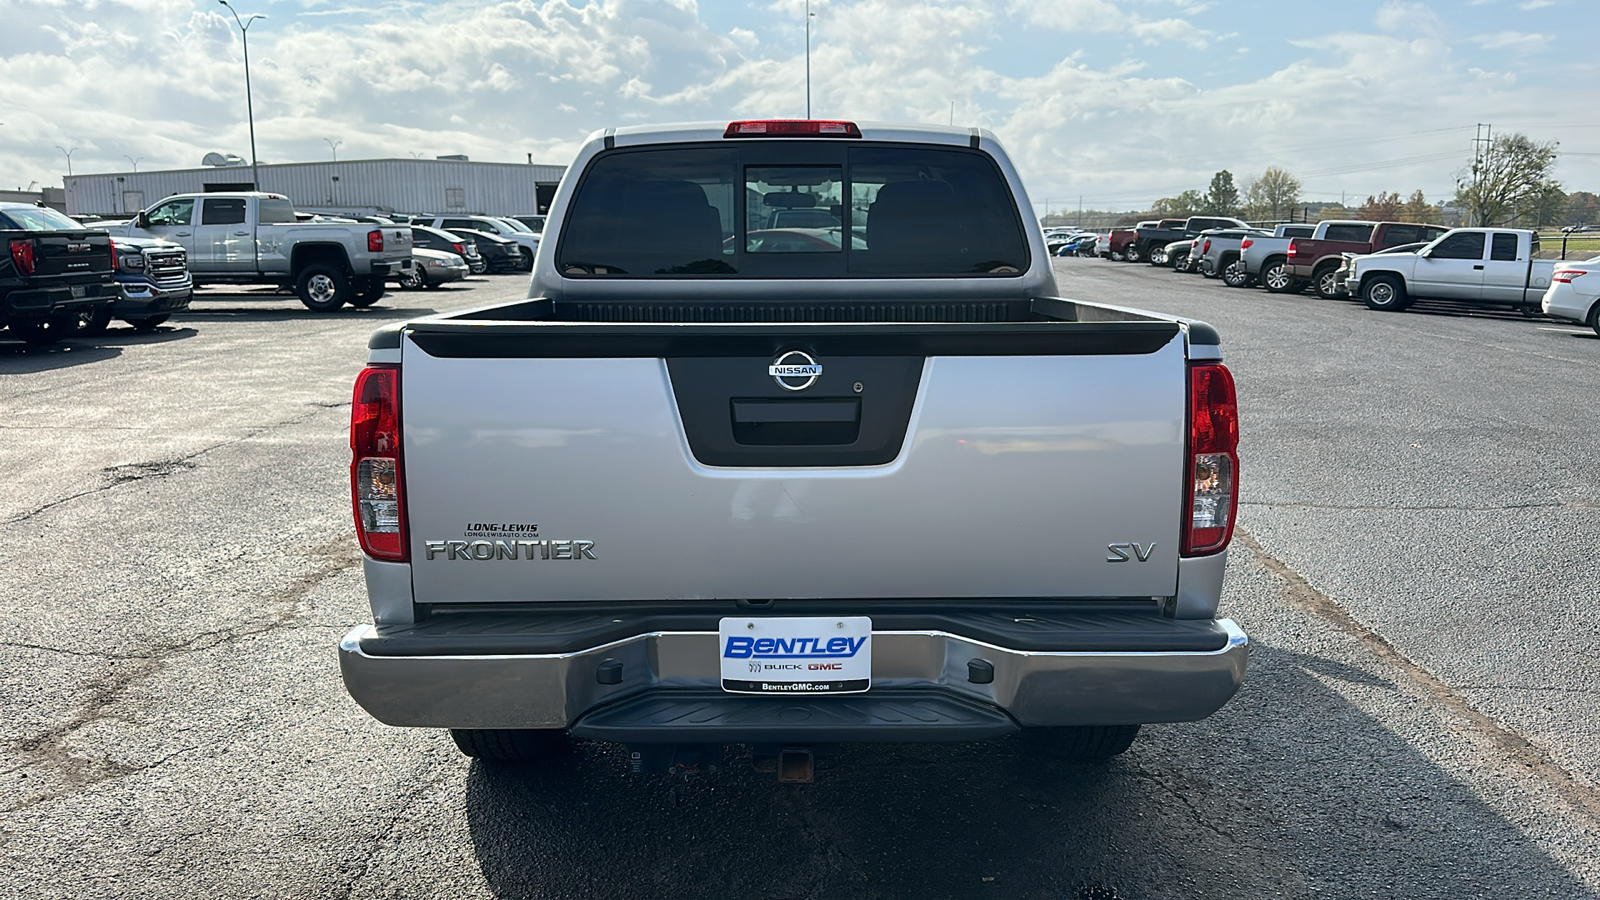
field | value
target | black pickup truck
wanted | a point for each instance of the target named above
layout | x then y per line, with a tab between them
53	272
1168	230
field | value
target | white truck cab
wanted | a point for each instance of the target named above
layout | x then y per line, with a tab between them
1492	266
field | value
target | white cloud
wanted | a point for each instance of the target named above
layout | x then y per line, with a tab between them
1109	17
1515	41
1409	18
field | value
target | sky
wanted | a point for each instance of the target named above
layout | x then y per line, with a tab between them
1116	102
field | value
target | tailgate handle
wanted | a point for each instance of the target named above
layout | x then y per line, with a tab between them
763	412
796	423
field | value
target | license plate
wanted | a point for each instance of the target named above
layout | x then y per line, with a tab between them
799	655
79	290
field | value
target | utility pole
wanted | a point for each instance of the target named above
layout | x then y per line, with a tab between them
1482	146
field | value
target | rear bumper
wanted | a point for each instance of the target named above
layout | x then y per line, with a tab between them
923	689
40	303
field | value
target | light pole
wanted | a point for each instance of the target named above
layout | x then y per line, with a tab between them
334	146
249	104
808	59
132	160
69	156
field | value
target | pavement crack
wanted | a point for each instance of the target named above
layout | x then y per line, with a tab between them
116	476
1519	753
426	783
49	747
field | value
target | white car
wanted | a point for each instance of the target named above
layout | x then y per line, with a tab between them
1573	295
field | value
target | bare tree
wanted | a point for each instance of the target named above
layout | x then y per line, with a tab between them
1382	208
1511	177
1273	195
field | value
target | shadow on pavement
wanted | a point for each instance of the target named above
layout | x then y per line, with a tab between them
1289	791
214	312
20	358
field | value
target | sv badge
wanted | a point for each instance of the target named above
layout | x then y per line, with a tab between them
1119	552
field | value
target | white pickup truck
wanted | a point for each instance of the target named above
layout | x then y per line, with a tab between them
253	238
1492	266
879	482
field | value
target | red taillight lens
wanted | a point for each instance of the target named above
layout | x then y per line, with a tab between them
791	128
1567	276
1246	244
1294	249
375	471
1213	477
375	241
1206	247
22	255
460	249
112	246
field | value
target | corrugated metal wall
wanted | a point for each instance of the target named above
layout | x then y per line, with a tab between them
383	185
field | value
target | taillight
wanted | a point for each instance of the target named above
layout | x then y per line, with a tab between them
791	128
112	246
375	471
1567	276
22	255
375	241
1294	249
460	249
1206	247
1246	244
1213	477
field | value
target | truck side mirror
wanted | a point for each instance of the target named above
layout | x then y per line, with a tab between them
142	220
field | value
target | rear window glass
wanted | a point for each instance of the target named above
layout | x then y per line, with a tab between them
40	218
1396	235
1461	245
223	211
274	212
792	210
1358	234
1504	248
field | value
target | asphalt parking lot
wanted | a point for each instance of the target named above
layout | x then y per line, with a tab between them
1416	567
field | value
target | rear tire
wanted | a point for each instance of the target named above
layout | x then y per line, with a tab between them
1133	254
1324	281
1275	276
370	295
1080	742
413	279
1234	275
509	744
40	332
323	288
1386	294
1594	318
1158	256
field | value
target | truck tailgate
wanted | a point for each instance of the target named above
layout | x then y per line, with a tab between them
931	461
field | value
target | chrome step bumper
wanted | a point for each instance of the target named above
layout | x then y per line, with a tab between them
555	690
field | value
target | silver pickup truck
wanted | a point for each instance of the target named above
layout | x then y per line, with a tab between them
879	482
1489	266
253	238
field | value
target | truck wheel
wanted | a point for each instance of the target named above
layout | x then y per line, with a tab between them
1158	256
1323	279
1385	292
1134	253
95	323
148	323
508	744
1234	275
1208	268
46	331
1080	742
1114	256
1275	275
323	288
369	295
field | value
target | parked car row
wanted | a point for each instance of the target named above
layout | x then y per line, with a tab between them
1391	265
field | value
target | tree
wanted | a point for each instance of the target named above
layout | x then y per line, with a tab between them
1184	205
1549	207
1418	209
1382	208
1273	196
1583	208
1510	178
1223	198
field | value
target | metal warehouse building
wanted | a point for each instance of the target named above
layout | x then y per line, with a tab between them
362	186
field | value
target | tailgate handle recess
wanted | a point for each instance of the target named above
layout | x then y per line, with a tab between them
796	422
